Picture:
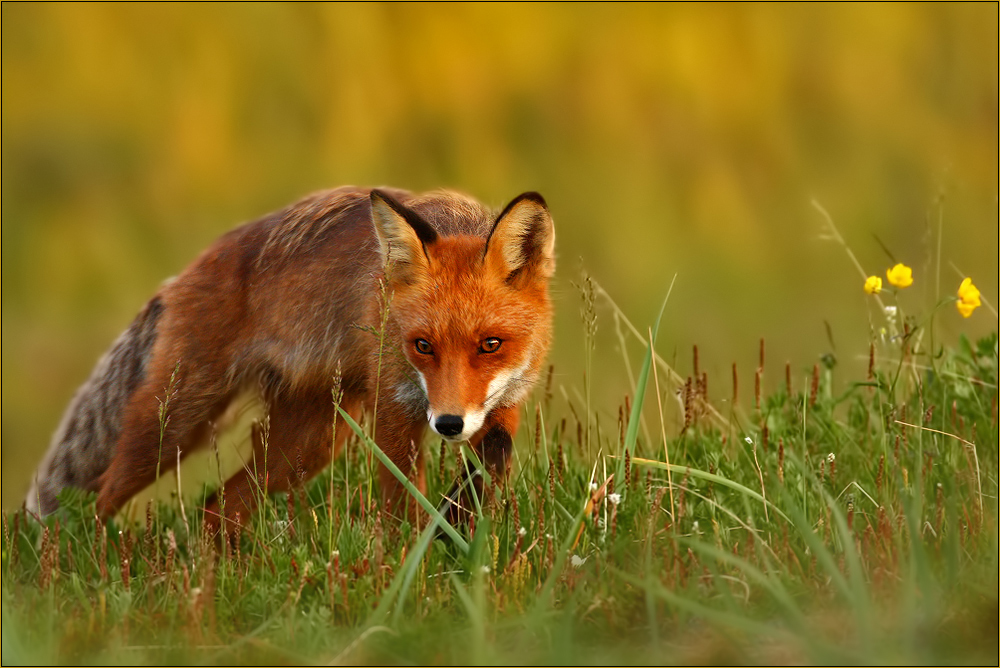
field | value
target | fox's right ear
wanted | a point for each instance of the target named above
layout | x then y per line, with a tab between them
403	237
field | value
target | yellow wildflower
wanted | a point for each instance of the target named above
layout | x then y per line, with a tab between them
873	285
968	292
900	276
968	298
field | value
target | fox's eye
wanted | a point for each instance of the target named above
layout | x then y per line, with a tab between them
490	345
423	347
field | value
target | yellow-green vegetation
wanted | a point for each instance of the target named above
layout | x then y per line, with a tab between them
856	526
674	138
785	492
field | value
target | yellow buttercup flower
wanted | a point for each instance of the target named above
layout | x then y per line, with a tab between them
900	276
968	292
873	285
968	298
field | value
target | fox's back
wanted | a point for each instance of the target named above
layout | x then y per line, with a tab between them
291	292
285	305
333	230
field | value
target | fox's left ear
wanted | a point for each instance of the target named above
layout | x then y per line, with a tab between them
522	242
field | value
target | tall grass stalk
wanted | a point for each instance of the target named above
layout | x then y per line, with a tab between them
631	433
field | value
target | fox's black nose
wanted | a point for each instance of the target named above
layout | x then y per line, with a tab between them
449	425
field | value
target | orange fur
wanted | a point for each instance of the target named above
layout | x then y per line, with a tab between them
285	302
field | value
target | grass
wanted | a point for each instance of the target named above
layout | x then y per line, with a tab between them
814	525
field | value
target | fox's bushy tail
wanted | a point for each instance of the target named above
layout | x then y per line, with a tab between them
83	445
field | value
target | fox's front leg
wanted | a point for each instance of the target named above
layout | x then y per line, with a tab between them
493	445
297	446
399	432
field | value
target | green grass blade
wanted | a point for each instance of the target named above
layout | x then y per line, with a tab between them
717	617
409	486
632	432
476	617
711	477
855	571
822	554
771	584
401	583
560	561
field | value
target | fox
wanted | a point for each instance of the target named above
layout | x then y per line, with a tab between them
426	310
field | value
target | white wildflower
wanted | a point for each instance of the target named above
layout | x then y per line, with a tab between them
830	458
748	440
593	487
615	498
522	532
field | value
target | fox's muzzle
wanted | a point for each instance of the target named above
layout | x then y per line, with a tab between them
456	427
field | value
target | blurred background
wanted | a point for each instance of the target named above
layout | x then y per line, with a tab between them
667	139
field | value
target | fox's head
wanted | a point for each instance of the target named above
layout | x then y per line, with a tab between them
471	314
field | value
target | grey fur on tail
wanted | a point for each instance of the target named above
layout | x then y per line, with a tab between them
84	443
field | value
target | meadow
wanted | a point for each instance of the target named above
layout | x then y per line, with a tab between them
782	464
801	526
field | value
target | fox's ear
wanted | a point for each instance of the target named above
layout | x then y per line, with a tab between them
402	237
522	242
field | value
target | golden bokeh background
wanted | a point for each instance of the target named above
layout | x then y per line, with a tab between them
668	139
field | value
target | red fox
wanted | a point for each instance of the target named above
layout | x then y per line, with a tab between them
288	302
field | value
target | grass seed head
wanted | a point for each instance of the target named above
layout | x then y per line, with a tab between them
537	434
688	408
756	389
781	460
124	557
